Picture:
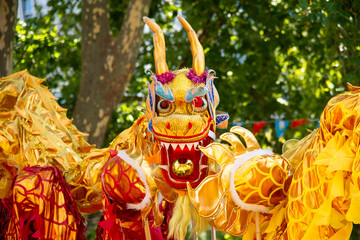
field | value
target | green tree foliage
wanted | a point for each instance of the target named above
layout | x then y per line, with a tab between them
274	59
49	47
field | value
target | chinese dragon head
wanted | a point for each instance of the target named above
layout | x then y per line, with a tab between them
180	108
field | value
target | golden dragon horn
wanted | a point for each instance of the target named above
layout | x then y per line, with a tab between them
159	47
196	48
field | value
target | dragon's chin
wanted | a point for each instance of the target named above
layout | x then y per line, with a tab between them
183	162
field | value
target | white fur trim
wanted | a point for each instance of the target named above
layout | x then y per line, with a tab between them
160	198
147	199
235	166
212	134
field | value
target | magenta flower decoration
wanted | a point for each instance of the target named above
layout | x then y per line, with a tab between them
195	78
165	77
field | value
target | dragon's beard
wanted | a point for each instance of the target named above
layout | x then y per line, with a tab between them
183	214
184	163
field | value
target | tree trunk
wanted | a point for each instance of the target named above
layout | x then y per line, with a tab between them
107	64
8	14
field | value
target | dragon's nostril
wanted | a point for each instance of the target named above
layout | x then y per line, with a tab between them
190	125
168	125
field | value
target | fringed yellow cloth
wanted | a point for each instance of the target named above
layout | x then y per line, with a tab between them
323	198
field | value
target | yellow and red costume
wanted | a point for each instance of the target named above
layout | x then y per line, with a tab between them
167	171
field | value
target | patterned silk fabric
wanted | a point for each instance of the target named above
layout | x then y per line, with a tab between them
42	207
270	184
122	182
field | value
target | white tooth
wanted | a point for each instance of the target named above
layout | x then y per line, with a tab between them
188	145
174	145
196	145
162	144
167	145
182	146
165	167
203	166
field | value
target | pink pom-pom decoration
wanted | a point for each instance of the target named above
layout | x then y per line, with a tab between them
195	78
165	77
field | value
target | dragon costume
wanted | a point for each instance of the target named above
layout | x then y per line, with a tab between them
168	169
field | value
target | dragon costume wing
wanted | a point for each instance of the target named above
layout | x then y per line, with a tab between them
36	132
324	193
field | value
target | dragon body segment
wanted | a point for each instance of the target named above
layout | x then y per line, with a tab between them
167	170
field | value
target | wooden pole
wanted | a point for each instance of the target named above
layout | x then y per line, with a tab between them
213	233
257	226
147	229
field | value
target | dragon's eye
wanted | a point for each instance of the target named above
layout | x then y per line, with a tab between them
199	104
164	106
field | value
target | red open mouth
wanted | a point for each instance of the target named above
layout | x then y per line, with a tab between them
184	162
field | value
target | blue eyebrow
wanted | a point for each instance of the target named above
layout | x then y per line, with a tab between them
195	92
164	92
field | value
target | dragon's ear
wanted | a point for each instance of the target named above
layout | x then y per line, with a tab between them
216	96
150	105
211	96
